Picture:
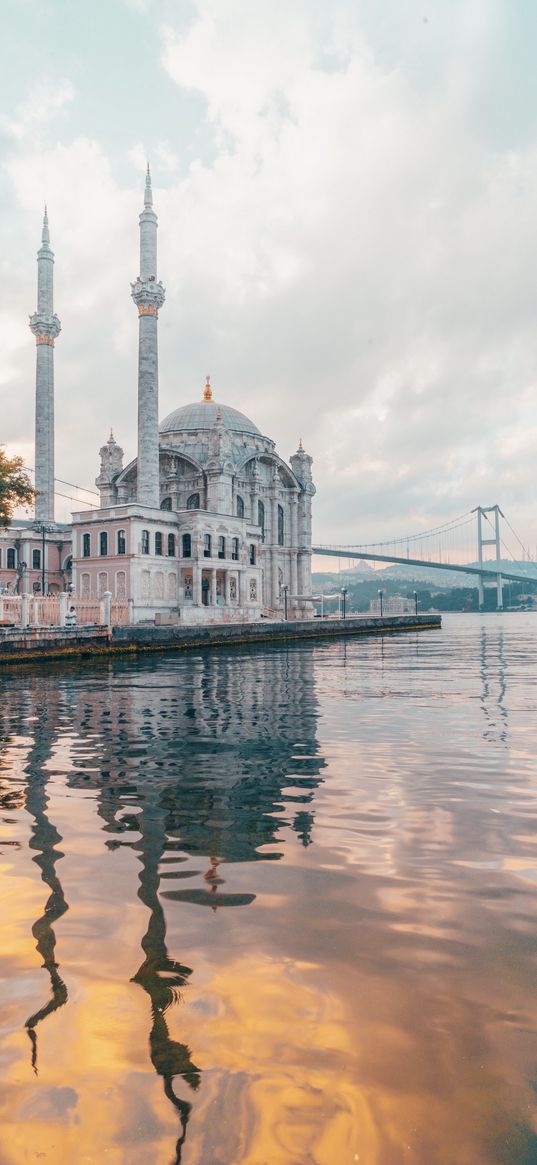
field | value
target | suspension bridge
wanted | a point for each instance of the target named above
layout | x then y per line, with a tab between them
469	536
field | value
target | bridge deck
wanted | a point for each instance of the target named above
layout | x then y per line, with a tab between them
487	572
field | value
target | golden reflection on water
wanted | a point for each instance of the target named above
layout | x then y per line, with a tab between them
272	908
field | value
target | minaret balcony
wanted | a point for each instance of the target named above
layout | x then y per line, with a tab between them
148	295
46	328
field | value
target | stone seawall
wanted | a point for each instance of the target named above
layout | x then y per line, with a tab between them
18	646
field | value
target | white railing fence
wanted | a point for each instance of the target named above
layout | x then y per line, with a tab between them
62	611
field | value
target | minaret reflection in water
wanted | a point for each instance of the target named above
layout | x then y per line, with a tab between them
194	758
161	976
44	840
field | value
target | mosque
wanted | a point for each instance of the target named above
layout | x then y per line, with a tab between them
208	523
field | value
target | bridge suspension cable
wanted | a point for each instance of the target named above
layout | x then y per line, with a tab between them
405	539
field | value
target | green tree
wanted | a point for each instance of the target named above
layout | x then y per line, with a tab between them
15	487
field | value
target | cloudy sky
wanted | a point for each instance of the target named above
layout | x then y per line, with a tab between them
347	200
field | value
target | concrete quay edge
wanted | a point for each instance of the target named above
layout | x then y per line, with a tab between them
20	647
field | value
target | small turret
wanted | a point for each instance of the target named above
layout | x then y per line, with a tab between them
111	456
219	465
301	464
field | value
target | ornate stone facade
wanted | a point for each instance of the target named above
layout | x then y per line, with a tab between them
208	522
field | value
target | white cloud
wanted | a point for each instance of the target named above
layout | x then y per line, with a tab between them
44	102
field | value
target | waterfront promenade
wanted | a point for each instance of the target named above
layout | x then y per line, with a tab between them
18	645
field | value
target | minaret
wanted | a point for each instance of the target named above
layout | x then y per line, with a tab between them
148	296
45	327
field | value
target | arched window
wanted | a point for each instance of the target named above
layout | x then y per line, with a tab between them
171	547
103	543
281	530
121	546
11	559
158	542
240	506
0	555
252	555
121	584
102	584
207	551
145	541
261	519
36	560
193	502
166	504
86	546
221	546
235	549
187	546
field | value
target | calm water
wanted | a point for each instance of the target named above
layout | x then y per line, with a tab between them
273	907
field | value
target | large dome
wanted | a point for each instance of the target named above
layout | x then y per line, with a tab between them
203	416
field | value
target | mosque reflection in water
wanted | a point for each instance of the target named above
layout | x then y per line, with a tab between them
173	778
228	944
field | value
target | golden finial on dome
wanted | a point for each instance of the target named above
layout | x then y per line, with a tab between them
207	391
300	446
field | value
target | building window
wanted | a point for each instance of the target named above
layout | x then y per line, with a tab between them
0	555
172	586
193	502
85	586
145	541
146	582
158	542
121	584
221	546
121	546
233	589
235	549
159	584
253	590
252	555
36	560
281	530
166	504
206	545
103	583
240	507
11	559
187	545
86	546
261	519
103	543
188	586
171	545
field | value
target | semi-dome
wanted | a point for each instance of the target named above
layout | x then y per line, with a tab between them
203	416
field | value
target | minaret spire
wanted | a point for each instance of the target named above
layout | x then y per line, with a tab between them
148	193
45	236
148	296
45	327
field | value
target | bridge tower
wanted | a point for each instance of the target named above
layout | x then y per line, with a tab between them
481	512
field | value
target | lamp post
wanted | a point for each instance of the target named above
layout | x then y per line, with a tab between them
343	598
381	596
285	589
416	601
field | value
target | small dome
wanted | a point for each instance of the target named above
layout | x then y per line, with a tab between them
203	416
